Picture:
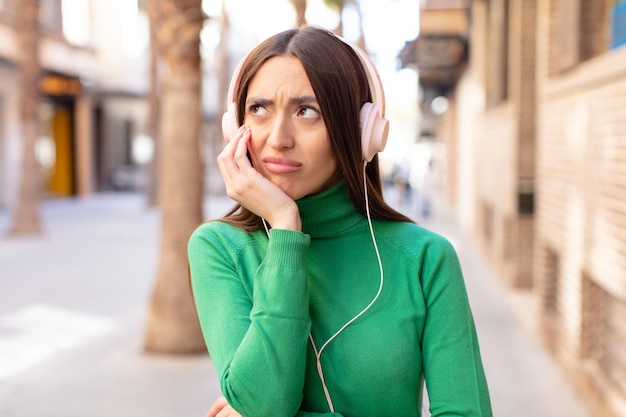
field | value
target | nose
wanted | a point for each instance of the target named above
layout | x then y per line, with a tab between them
282	134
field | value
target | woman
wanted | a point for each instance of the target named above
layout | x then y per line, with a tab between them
308	307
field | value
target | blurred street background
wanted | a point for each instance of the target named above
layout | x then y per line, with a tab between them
508	136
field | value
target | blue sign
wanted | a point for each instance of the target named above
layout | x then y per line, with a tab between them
618	34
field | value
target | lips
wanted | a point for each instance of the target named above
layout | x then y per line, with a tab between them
277	165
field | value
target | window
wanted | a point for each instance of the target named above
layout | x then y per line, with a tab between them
5	8
618	24
526	196
550	294
593	317
498	56
612	358
76	21
604	333
50	16
581	31
135	29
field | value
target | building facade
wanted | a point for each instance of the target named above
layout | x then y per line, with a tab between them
580	266
536	138
93	87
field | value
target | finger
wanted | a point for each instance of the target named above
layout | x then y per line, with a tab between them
231	145
226	412
239	132
226	160
244	176
241	153
217	406
228	139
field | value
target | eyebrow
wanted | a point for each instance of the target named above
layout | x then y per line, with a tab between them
303	100
293	100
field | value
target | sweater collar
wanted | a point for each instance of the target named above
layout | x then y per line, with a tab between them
329	212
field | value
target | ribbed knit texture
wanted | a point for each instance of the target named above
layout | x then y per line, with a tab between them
257	302
328	213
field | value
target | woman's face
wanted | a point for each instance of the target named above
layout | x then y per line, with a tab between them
290	144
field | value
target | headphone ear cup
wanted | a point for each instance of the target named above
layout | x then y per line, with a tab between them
374	131
229	123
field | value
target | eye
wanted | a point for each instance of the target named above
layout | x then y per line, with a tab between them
308	113
257	110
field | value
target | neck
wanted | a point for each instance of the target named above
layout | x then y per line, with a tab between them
329	212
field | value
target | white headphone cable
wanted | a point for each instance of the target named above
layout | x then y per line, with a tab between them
267	231
318	354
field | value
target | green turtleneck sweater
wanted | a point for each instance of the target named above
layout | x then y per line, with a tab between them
258	299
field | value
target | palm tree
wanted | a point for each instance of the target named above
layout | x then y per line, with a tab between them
152	190
27	219
223	77
340	6
172	325
300	6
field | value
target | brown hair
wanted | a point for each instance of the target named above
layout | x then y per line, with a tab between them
341	87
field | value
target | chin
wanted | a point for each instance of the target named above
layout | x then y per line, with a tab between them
298	194
289	188
295	192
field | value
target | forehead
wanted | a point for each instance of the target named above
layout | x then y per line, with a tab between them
280	73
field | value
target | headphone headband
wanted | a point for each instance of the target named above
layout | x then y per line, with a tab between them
373	78
236	77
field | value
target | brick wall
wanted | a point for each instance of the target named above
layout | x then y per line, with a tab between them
558	129
581	207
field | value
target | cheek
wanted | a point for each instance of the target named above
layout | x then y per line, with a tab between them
324	158
323	151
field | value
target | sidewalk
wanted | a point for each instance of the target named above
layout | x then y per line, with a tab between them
73	304
72	312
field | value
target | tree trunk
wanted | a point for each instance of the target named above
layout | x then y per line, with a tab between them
300	6
27	219
216	139
172	325
361	42
152	190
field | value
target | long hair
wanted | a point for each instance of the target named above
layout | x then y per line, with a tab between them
341	86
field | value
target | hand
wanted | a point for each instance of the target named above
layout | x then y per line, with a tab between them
221	408
252	190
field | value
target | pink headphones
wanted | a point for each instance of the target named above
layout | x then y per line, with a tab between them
374	126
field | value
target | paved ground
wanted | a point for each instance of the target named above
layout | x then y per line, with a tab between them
73	303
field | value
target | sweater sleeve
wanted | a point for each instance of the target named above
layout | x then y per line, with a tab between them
257	341
453	368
